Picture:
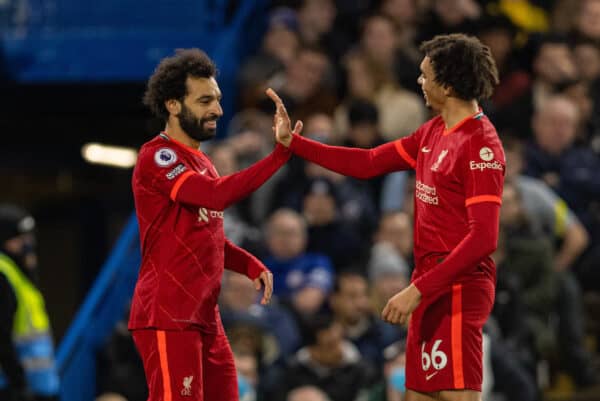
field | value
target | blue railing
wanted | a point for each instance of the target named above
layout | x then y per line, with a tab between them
102	308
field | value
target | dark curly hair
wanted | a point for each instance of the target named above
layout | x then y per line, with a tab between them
168	80
463	64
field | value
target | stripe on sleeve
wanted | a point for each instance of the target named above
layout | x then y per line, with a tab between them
404	154
179	183
483	198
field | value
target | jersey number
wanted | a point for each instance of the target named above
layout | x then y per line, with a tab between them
436	358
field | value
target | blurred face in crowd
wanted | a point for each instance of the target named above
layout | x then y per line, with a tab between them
360	81
555	125
379	39
435	95
238	292
396	228
224	159
306	393
514	162
319	127
587	58
317	15
350	303
319	208
329	345
200	110
286	235
281	43
454	12
510	212
500	43
247	366
23	247
308	300
589	19
403	12
554	63
306	74
579	94
363	135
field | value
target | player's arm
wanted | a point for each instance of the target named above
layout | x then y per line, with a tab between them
243	262
353	162
574	235
197	189
480	242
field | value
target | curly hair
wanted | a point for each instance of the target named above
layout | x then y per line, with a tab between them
463	64
169	78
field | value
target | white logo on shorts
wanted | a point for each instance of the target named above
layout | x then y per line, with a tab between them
187	386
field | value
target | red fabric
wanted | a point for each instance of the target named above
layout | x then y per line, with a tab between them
355	162
187	365
241	261
454	322
183	244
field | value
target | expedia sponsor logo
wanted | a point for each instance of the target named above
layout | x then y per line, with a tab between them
426	193
180	168
495	165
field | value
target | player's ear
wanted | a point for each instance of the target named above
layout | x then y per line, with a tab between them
173	106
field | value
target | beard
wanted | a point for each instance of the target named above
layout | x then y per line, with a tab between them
194	126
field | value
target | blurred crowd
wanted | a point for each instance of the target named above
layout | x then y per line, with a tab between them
339	247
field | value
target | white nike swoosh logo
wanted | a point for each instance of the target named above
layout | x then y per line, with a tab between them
431	375
425	149
203	172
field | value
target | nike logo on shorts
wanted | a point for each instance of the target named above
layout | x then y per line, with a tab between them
431	375
425	149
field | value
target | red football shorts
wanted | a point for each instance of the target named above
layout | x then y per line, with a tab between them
444	345
187	365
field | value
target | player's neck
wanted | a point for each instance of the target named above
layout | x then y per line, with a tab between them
174	131
455	110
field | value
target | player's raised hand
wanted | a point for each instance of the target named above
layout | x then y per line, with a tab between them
265	279
401	305
281	121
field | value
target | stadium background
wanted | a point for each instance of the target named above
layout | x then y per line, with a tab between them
73	73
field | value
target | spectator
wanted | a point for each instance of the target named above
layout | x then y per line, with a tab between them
448	16
400	111
351	308
529	257
397	229
279	47
26	345
302	280
552	64
393	385
587	24
306	86
545	210
569	169
239	302
388	274
328	362
327	232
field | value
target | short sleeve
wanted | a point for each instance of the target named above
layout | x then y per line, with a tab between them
483	166
163	170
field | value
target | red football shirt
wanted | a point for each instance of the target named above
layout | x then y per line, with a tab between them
179	200
459	180
454	170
